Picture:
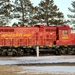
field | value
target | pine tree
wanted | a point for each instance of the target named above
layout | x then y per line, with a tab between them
5	9
72	16
24	9
49	13
33	15
19	9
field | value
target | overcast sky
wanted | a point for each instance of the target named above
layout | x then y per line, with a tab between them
62	5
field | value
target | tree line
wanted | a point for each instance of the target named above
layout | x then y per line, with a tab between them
46	12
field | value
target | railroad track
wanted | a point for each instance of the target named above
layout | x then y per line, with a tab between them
48	64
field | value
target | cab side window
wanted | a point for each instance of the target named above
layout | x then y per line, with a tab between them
64	32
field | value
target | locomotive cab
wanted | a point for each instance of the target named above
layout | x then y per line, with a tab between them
64	34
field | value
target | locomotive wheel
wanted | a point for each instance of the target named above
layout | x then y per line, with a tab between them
57	52
20	51
9	52
0	52
4	52
33	52
62	51
71	51
14	52
28	52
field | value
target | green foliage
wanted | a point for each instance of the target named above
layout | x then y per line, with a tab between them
28	14
72	16
49	13
25	8
5	7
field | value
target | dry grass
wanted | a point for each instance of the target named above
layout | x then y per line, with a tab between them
9	70
15	70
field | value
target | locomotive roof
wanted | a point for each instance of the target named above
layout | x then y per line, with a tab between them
59	27
63	27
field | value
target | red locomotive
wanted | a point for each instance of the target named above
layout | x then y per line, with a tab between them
23	40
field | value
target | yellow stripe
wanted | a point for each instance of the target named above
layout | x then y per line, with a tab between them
29	46
15	46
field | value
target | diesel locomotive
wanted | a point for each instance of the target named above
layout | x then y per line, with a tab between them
23	40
